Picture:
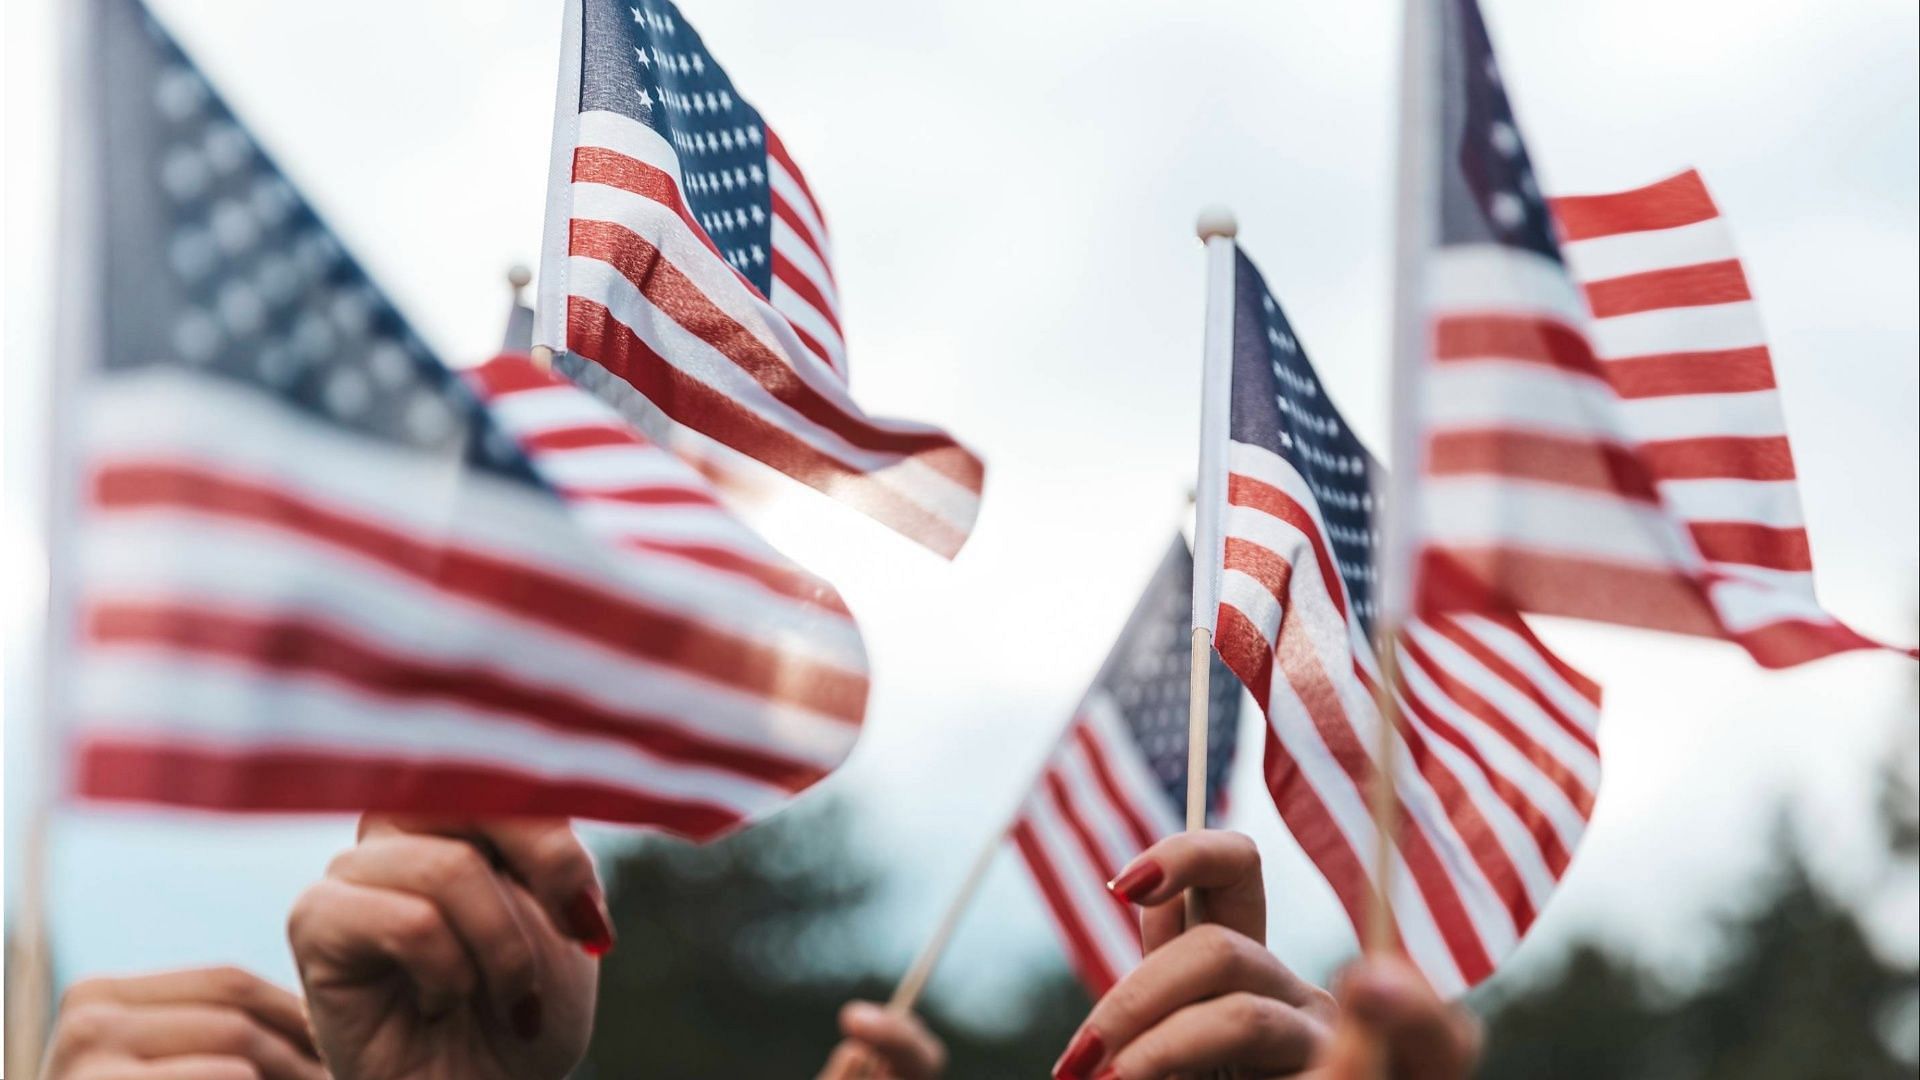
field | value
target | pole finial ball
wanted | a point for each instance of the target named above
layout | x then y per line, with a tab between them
519	276
1216	221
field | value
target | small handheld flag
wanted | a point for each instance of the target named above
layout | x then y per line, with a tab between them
1117	781
1501	763
316	569
687	278
1599	429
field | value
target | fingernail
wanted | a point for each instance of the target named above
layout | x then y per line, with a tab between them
526	1018
1139	879
1108	1073
587	922
1083	1053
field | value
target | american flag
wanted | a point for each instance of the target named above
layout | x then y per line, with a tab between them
1603	433
1502	762
687	278
316	569
1117	781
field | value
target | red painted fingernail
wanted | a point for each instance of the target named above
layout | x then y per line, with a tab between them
1108	1073
1139	880
587	922
1083	1053
526	1018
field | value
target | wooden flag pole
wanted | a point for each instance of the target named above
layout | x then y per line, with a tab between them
1399	499
1216	229
29	971
1383	798
1397	494
907	994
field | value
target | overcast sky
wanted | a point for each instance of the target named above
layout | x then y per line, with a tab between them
1011	189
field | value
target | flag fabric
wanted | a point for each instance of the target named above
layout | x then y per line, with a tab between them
1502	761
1603	436
315	569
1117	781
687	278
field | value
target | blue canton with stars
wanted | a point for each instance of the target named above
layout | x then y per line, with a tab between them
1146	677
1488	192
644	61
1279	404
211	262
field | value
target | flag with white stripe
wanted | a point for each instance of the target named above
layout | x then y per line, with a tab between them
1502	763
1117	781
1603	436
687	278
314	569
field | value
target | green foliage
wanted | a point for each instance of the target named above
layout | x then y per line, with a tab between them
1801	995
733	963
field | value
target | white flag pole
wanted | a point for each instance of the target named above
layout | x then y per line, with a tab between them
76	345
1398	501
1216	229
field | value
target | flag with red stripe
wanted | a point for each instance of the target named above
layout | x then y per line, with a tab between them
1603	436
1503	762
687	279
314	569
1117	780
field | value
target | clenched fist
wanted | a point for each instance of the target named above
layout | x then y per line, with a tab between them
453	948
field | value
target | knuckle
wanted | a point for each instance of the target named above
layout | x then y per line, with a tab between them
1320	1003
1249	1012
1241	849
559	858
1126	999
86	992
341	865
1149	1055
90	1023
228	1032
1217	946
513	961
416	927
453	861
307	907
229	983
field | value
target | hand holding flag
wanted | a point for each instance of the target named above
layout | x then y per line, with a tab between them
1501	764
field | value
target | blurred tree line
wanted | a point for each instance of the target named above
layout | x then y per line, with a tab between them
1800	991
732	965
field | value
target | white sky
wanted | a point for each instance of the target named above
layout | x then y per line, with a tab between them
1011	189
